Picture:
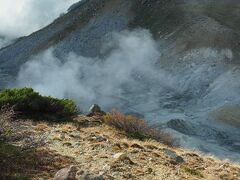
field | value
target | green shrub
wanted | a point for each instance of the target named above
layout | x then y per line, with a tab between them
30	103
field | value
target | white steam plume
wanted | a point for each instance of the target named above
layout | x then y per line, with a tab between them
129	74
130	64
129	77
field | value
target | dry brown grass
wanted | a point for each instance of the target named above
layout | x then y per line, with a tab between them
13	131
6	116
17	146
30	165
136	128
67	128
41	127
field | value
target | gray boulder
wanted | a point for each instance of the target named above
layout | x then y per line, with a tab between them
174	158
82	175
66	173
95	110
74	173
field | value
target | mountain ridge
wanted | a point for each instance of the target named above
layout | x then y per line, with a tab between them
162	18
193	73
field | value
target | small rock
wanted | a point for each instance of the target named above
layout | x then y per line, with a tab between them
118	155
100	177
77	144
121	157
150	170
95	110
82	175
106	168
66	173
101	138
97	138
62	136
75	135
175	159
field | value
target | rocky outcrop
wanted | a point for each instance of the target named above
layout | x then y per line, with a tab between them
95	110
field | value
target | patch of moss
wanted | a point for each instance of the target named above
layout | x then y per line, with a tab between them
192	171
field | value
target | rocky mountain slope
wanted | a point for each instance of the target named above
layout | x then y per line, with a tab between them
184	24
90	149
199	46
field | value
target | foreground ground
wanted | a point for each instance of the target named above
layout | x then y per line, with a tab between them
107	153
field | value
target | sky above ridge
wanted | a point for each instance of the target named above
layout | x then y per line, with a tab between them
22	17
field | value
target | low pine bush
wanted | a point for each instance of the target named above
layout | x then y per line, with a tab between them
30	103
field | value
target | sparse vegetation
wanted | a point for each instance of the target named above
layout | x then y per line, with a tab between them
18	164
100	146
18	149
6	115
30	103
136	128
192	172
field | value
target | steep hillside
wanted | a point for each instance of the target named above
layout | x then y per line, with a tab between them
90	149
184	24
182	85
